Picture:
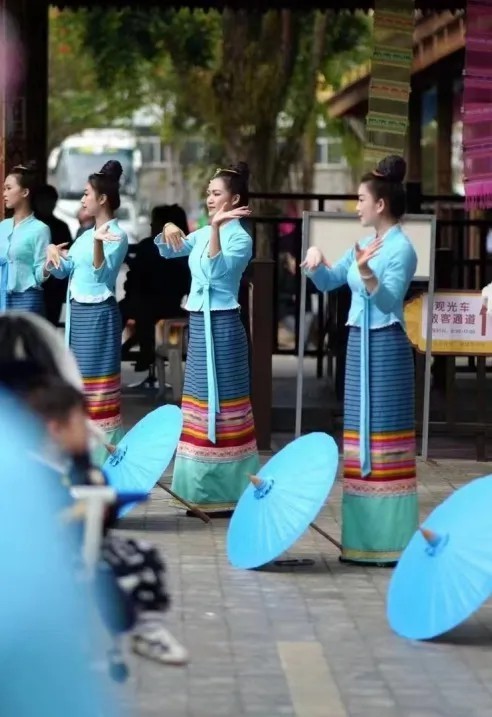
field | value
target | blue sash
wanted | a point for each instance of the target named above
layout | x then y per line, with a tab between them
4	283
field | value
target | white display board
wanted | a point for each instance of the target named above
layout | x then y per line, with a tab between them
335	233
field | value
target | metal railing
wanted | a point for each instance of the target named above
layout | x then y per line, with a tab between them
462	262
453	243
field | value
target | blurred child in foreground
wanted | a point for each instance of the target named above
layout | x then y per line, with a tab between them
135	565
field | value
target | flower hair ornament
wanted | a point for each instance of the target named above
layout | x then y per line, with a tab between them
220	170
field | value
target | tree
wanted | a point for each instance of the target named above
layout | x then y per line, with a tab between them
243	83
246	81
76	99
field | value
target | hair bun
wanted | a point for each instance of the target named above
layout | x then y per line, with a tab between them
30	167
112	169
242	169
393	168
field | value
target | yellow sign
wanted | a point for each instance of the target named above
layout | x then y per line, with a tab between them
460	323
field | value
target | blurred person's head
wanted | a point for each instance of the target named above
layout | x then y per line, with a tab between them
63	411
60	407
45	201
228	189
102	191
20	341
34	346
28	337
158	218
20	186
165	213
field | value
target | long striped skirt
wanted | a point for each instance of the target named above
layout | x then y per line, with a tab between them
95	339
214	475
31	300
380	512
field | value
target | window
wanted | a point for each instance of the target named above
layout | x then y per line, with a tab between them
193	152
154	152
329	152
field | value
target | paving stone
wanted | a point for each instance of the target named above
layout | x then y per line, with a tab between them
236	625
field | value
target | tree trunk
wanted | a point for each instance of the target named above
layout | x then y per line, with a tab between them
309	154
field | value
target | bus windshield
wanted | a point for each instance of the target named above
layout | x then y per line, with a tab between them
77	163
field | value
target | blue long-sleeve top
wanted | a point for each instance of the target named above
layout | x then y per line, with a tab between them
214	286
221	273
394	267
23	253
88	285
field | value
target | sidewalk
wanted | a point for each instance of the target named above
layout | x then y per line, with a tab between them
304	642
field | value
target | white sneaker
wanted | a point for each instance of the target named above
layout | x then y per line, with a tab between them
153	641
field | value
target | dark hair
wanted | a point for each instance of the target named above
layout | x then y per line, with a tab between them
47	191
49	397
107	181
16	374
20	341
386	182
53	399
236	178
45	201
27	176
164	213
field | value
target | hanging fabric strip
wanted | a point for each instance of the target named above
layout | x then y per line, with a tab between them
4	283
365	393
389	90
477	105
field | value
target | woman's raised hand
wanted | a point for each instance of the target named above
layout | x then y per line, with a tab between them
104	234
362	256
54	253
222	216
173	236
314	259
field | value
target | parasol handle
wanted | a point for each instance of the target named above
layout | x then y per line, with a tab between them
435	542
429	535
257	482
263	486
192	508
326	535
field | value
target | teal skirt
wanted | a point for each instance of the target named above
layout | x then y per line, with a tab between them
380	511
210	475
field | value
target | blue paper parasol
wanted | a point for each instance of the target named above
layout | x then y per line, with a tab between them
282	501
445	573
143	455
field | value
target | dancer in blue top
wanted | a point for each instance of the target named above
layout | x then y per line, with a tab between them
379	509
93	324
23	243
217	449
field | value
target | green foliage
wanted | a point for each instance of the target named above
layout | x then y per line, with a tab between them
76	98
357	51
245	83
128	43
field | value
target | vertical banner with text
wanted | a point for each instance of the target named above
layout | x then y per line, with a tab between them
477	105
389	90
